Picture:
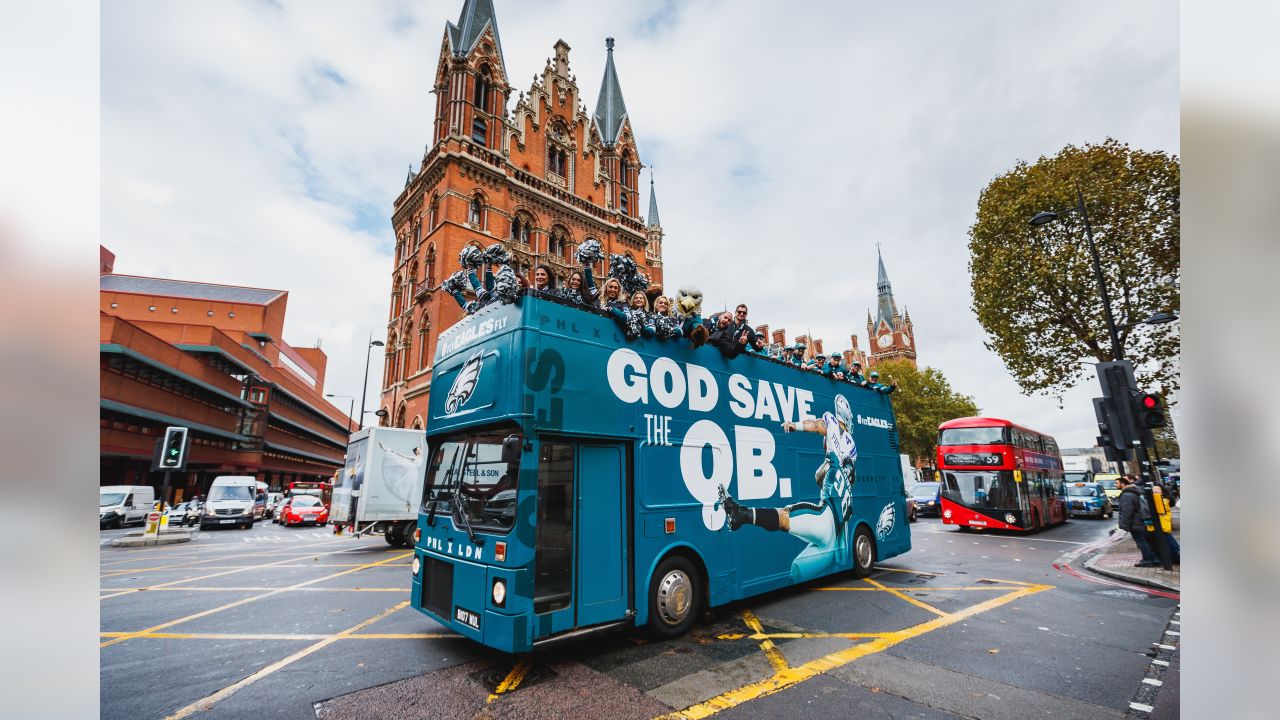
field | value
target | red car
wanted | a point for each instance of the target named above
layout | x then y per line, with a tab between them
303	510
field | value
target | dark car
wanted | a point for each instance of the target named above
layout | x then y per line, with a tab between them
928	497
912	510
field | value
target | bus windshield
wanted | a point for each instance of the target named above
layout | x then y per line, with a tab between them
471	466
983	489
972	436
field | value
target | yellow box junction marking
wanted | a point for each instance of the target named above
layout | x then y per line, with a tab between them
788	676
243	601
209	701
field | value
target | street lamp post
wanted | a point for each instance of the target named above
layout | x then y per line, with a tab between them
1041	218
350	412
364	389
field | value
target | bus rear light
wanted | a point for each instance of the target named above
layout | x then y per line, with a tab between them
670	525
417	535
500	551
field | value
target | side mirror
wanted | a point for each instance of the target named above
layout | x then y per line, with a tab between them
512	445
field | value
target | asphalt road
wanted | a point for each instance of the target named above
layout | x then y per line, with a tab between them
291	623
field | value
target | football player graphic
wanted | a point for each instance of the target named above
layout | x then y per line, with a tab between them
820	524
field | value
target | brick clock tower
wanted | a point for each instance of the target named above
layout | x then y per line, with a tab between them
890	335
540	178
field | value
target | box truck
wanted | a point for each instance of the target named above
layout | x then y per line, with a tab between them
379	487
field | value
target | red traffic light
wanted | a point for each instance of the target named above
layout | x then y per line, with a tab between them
1150	402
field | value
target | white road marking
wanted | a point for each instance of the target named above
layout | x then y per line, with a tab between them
1140	707
1161	663
1152	681
1165	647
1171	632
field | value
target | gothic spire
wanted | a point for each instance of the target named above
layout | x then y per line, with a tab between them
653	205
610	110
886	308
408	179
476	14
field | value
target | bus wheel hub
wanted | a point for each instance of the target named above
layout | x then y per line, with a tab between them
673	597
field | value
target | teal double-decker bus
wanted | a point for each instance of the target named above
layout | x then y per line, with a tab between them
579	482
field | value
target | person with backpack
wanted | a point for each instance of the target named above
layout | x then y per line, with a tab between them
1134	509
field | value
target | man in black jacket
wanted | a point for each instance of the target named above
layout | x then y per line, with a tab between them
1132	522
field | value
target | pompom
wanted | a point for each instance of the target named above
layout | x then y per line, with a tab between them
496	255
623	267
471	257
588	253
456	283
506	286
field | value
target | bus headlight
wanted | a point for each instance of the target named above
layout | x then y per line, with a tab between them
499	593
417	565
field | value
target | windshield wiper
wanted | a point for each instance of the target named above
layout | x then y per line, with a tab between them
435	495
458	509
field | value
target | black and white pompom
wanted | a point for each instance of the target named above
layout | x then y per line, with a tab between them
588	253
471	257
496	255
623	268
456	283
635	323
506	286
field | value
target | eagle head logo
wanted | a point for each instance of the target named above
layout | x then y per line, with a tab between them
464	384
884	525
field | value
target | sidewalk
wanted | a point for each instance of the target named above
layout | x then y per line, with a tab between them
1117	557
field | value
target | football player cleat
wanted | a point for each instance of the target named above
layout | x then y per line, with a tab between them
735	514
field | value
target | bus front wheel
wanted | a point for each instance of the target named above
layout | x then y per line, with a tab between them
675	597
864	553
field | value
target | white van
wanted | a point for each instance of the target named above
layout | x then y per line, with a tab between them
230	502
120	505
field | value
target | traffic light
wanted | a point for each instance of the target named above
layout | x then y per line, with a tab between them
1151	411
1119	389
173	453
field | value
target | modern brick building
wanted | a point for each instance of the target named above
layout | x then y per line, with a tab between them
211	358
540	177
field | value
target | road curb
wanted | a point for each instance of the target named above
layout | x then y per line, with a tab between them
169	537
1092	562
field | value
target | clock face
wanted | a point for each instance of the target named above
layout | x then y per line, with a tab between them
885	341
906	339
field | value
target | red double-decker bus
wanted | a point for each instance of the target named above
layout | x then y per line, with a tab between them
999	475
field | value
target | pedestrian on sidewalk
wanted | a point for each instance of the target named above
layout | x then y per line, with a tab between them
1132	521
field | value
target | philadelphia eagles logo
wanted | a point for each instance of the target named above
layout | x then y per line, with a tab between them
464	385
884	525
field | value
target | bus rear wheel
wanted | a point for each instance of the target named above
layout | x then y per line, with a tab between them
675	597
864	553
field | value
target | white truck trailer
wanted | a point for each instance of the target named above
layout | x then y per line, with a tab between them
380	486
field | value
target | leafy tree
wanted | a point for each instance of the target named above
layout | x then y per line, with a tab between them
1034	288
924	400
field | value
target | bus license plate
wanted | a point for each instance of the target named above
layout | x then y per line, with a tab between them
468	618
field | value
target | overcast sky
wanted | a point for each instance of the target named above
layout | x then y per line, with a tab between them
263	143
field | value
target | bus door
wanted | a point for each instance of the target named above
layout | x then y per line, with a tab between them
580	556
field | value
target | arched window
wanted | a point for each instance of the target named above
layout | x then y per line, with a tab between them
559	242
417	422
559	150
475	215
521	226
395	298
433	215
483	81
624	193
422	341
407	352
400	415
479	131
431	265
417	233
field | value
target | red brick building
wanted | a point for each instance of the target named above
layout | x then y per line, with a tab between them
540	177
891	335
210	358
